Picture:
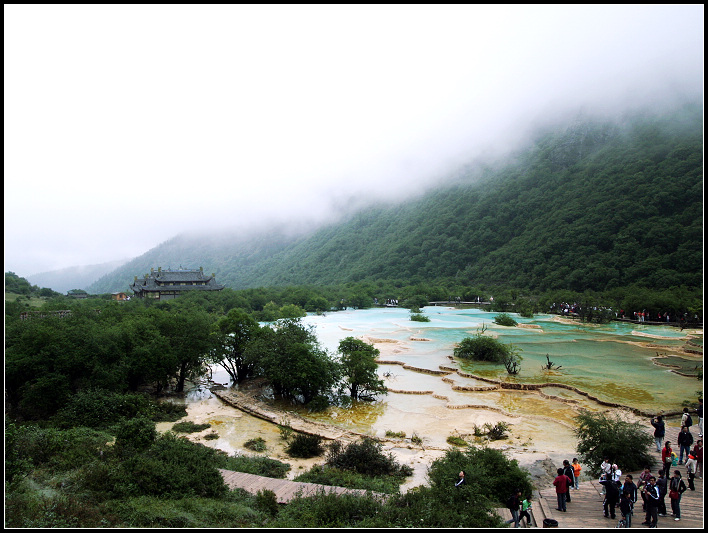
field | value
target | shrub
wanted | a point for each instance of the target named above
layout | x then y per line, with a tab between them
318	404
497	431
440	507
135	434
365	457
489	473
396	434
305	446
286	432
327	510
481	348
29	446
419	317
602	435
98	408
505	319
257	445
511	361
456	441
172	467
326	475
526	312
260	466
189	427
266	502
169	412
234	510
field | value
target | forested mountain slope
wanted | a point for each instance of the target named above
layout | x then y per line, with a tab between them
593	205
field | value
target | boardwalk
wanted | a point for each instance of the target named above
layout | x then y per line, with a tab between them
285	490
585	509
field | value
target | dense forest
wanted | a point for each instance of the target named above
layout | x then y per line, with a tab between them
595	205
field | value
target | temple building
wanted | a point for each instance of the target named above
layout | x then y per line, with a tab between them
168	284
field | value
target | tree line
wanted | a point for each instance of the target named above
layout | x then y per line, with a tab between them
137	345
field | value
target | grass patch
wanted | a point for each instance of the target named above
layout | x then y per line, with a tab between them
337	477
236	510
189	427
260	466
257	445
456	441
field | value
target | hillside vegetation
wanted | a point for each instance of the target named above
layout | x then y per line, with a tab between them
592	206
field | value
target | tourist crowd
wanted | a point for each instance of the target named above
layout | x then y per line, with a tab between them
621	492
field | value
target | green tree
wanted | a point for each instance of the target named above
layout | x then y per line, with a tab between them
235	333
189	333
358	360
292	360
603	435
505	319
317	304
482	348
489	473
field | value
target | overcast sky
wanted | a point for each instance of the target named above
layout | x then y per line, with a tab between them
126	125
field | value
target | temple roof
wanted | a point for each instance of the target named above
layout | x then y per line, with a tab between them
162	280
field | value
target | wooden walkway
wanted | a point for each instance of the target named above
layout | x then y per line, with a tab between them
284	489
585	508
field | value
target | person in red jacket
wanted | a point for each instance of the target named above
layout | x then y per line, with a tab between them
698	454
562	483
666	456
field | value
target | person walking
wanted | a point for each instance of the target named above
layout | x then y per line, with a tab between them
612	495
666	459
699	413
659	431
652	498
576	473
513	504
616	473
697	452
626	508
605	468
691	471
630	489
630	486
685	440
525	507
662	485
686	420
676	489
643	481
561	482
568	471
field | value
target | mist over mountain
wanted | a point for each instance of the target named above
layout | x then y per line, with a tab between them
589	204
75	277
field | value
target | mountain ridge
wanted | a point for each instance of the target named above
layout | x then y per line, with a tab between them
593	205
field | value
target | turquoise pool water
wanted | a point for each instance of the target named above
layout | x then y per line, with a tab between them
611	361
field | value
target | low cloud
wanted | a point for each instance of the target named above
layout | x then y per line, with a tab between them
127	126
